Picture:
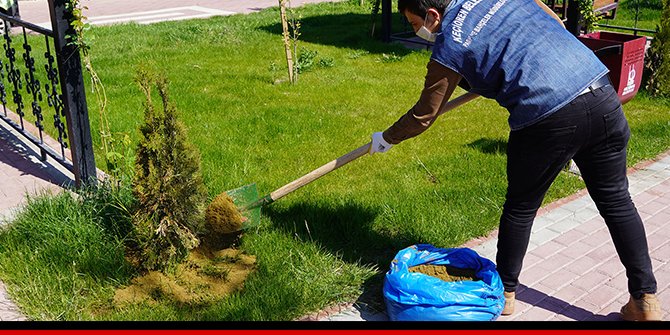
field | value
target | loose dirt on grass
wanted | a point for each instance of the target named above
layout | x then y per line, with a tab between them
446	272
208	274
212	271
222	216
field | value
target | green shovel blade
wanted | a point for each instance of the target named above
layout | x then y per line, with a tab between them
242	197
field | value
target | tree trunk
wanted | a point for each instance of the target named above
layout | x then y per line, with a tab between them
287	41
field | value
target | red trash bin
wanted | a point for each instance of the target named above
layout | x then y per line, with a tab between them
623	54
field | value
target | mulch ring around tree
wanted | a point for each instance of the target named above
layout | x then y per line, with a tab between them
208	274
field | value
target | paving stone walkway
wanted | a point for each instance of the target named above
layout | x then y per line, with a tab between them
22	173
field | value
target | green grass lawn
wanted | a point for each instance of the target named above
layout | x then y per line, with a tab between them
328	241
648	15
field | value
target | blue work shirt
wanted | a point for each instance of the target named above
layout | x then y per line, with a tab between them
514	52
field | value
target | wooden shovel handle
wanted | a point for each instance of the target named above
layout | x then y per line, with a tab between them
457	102
364	149
324	169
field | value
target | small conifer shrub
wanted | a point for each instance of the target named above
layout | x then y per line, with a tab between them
168	184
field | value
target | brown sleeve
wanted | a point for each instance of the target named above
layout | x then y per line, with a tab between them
439	85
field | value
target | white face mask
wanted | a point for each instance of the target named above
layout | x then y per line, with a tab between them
426	34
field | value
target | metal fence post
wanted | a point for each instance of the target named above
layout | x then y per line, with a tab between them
387	14
573	17
74	96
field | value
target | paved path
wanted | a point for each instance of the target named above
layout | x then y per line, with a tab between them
150	11
22	172
571	270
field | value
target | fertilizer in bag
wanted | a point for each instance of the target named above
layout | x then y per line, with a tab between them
473	293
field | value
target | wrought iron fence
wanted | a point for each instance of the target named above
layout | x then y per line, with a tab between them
34	87
635	30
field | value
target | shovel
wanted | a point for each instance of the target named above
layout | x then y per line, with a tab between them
246	197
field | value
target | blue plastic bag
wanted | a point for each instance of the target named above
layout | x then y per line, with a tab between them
411	296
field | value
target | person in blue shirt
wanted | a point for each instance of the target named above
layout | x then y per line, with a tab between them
561	107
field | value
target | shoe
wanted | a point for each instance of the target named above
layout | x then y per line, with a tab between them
647	308
509	303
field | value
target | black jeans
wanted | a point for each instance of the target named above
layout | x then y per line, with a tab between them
591	130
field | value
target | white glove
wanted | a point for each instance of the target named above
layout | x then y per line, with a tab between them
379	144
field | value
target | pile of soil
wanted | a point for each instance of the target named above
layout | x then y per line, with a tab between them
211	272
446	272
222	215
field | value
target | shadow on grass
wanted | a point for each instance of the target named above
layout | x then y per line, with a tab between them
348	30
344	230
489	146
